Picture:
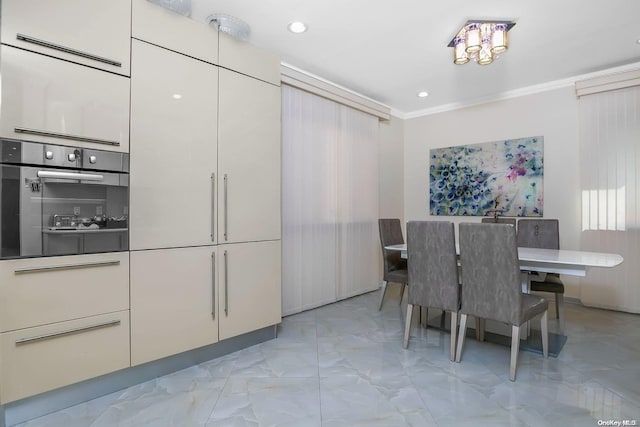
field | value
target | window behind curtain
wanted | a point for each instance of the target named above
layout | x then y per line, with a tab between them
329	201
610	179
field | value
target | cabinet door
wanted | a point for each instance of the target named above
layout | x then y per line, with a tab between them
35	360
173	156
151	21
250	287
38	291
90	32
49	100
247	59
173	302
248	159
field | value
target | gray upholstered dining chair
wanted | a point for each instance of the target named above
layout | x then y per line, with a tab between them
544	234
480	324
491	284
499	220
433	272
394	268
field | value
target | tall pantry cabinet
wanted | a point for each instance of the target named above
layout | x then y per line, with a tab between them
205	186
64	319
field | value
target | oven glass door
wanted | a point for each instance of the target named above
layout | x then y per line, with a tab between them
48	212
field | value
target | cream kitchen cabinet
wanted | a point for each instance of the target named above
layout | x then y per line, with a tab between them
38	291
35	360
247	59
173	152
151	23
248	159
89	32
48	100
249	278
174	304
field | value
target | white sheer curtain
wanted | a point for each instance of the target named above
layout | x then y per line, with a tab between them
329	201
610	161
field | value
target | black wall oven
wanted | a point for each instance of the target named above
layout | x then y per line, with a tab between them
61	200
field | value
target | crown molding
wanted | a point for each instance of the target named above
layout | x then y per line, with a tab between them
524	91
304	80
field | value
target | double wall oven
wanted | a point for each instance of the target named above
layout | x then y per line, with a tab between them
62	200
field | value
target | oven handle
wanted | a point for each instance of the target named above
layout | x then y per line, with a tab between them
70	175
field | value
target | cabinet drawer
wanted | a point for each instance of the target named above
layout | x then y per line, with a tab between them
150	23
90	32
48	100
38	291
39	359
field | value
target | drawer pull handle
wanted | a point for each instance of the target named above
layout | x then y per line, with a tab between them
64	267
66	136
67	332
65	49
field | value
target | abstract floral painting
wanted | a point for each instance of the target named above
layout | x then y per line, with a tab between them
476	180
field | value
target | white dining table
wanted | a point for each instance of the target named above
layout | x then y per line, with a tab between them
561	261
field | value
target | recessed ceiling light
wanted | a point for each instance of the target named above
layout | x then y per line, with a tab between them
297	27
638	41
423	94
176	96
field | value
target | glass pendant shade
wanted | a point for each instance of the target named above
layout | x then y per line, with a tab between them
499	42
473	38
484	56
459	51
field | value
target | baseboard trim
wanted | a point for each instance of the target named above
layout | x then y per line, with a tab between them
36	406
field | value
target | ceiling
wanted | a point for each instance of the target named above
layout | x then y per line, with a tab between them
391	50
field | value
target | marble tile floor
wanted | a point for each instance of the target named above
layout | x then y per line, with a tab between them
343	365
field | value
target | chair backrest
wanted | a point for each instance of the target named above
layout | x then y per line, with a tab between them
491	281
492	220
391	234
538	233
433	265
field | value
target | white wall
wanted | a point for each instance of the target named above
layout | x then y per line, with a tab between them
391	166
552	114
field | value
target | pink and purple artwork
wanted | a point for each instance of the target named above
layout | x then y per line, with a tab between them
477	180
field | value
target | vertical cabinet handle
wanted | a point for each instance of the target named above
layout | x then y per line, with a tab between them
213	206
225	207
213	285
226	285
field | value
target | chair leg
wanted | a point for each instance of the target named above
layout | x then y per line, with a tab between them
424	316
407	326
480	329
383	291
515	346
461	334
560	312
404	288
545	334
454	333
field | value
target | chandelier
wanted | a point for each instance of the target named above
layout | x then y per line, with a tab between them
481	41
